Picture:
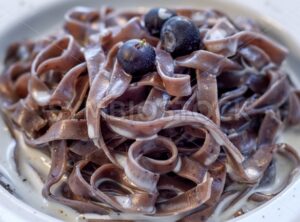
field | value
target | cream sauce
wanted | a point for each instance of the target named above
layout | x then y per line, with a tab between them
224	213
33	165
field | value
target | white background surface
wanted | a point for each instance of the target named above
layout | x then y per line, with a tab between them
286	12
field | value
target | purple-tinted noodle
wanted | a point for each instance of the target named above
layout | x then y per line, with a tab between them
166	144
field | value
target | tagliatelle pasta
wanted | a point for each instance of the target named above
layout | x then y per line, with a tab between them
172	144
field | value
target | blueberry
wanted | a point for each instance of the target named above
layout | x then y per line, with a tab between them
180	36
155	19
136	57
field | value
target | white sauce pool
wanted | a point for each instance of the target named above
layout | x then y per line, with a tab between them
33	166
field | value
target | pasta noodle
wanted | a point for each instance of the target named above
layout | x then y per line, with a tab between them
172	143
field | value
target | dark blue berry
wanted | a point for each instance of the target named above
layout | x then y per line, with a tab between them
155	19
180	36
136	57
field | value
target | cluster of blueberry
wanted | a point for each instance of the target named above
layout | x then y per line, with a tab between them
179	36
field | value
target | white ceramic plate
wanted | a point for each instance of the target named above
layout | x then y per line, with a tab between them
285	207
